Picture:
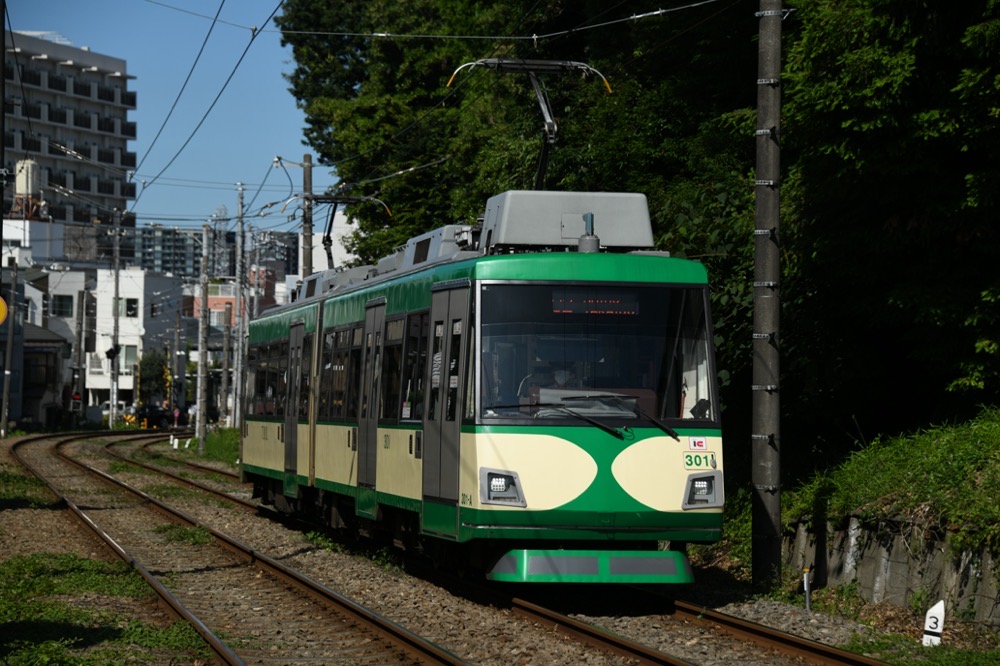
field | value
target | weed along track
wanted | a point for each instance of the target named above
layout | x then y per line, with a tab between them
248	607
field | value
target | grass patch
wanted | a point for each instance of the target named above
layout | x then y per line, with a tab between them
124	467
196	536
20	491
324	542
169	491
41	628
223	445
944	478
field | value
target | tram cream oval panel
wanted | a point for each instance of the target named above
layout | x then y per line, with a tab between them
652	471
553	471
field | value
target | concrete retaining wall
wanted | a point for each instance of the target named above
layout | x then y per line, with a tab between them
900	565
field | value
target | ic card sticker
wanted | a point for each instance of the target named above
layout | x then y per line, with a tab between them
697	443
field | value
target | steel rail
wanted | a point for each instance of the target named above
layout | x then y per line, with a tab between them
594	636
811	651
223	653
410	643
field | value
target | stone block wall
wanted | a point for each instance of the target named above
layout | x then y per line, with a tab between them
897	564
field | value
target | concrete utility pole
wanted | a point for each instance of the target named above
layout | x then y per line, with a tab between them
81	327
766	437
116	243
226	344
203	344
307	216
9	352
241	317
177	390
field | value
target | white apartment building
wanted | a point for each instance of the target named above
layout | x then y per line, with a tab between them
149	305
66	109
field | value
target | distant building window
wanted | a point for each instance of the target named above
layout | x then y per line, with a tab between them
62	305
131	307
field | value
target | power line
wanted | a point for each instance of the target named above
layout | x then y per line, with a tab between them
210	107
180	92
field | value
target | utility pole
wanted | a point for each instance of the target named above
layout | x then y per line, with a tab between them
766	437
81	327
226	344
9	353
203	344
307	216
240	313
116	244
177	396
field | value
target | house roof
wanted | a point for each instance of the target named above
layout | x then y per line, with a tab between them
36	336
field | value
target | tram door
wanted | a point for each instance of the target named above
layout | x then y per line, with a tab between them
445	397
368	411
291	430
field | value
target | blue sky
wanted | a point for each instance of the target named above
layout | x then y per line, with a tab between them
254	120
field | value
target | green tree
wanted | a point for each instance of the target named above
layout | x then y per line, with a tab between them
891	134
153	373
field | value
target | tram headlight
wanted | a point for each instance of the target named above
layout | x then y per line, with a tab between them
500	486
703	490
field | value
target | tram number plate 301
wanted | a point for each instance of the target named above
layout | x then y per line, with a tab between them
701	460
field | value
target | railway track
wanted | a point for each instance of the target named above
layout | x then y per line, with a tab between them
753	638
248	607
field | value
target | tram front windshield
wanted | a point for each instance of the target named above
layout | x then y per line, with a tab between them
549	351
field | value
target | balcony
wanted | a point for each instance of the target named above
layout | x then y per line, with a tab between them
105	94
81	183
128	160
106	125
128	99
106	156
31	77
57	116
81	88
106	187
57	82
82	121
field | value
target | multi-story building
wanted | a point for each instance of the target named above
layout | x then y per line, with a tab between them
66	109
148	312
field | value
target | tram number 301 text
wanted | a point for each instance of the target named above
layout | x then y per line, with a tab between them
699	460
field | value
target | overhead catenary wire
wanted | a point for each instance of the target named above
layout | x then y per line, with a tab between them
253	36
180	92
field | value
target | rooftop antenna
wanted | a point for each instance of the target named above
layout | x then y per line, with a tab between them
533	68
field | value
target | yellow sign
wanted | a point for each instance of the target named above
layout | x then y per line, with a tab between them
3	310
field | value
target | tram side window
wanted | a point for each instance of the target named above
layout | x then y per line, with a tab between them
250	382
338	374
354	373
280	378
453	378
265	385
392	361
417	330
436	371
325	391
305	373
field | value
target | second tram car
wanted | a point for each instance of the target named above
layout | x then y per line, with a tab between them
535	396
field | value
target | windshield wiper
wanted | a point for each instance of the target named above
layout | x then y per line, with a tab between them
563	408
620	399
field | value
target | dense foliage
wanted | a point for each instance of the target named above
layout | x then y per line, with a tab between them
889	148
